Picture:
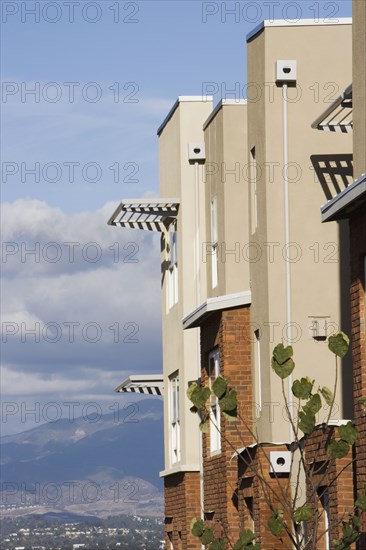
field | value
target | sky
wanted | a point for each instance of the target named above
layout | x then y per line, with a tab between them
85	85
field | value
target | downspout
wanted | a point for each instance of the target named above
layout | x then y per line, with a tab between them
198	300
287	239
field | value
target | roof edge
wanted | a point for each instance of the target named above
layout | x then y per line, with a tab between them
218	107
296	23
336	208
226	301
181	99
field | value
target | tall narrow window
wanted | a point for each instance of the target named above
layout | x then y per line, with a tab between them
257	373
214	242
173	268
324	499
253	191
250	508
174	418
213	372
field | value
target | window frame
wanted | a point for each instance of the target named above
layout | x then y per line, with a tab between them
174	418
173	291
214	244
215	413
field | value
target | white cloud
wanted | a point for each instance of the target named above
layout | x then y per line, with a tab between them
79	328
24	384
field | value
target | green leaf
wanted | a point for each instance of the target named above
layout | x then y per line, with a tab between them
282	354
197	527
207	536
229	402
190	390
283	370
247	536
361	502
199	396
282	363
313	405
303	513
327	395
339	344
351	534
275	523
219	387
307	422
230	416
302	388
204	425
362	402
218	545
338	449
348	433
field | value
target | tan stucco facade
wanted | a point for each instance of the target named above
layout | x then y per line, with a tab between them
317	267
180	348
226	182
359	87
244	173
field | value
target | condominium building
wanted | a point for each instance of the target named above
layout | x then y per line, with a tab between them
347	114
245	264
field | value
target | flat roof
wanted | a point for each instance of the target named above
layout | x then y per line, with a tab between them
343	204
223	103
182	98
297	23
198	315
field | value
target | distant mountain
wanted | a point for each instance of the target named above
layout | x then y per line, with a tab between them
110	465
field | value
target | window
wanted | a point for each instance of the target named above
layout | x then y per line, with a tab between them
253	191
250	512
324	499
213	372
174	417
257	373
173	268
214	242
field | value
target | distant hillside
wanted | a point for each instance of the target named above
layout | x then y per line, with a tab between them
108	466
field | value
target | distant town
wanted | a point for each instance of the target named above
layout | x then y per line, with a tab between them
50	533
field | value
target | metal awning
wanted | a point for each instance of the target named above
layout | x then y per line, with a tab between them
346	202
146	214
338	117
150	384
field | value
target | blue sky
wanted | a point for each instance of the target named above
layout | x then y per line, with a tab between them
125	76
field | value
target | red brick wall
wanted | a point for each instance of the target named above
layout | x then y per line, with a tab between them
182	503
358	252
251	486
336	476
227	330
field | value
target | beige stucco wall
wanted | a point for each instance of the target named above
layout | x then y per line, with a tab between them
226	179
323	54
180	349
359	87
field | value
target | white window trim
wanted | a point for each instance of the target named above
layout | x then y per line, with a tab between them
215	421
258	372
174	424
254	198
326	510
173	294
214	243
